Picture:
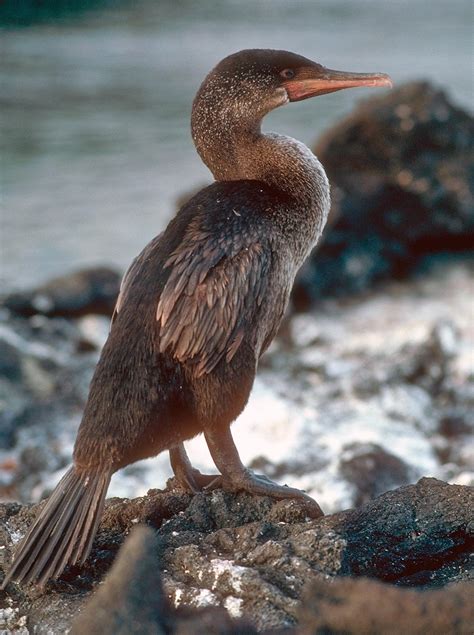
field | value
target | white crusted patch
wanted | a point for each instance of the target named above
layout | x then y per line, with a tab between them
12	622
15	535
206	598
233	606
228	568
178	594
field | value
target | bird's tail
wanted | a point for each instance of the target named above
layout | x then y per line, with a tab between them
63	531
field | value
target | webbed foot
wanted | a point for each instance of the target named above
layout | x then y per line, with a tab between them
187	476
261	485
235	476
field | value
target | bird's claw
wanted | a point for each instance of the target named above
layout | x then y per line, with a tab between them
194	481
261	485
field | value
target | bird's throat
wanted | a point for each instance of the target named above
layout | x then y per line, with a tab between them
233	154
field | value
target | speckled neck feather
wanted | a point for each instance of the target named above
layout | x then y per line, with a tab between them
226	129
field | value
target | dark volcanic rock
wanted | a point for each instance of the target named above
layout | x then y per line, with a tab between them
418	535
87	291
372	470
401	169
254	556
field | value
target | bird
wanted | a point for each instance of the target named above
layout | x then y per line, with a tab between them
199	306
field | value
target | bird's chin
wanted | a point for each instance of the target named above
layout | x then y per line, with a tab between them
280	97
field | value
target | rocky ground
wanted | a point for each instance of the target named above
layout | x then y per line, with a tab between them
401	168
257	558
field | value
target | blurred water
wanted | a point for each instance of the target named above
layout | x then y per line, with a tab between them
95	111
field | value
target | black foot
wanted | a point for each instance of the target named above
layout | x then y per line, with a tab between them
259	484
235	476
186	475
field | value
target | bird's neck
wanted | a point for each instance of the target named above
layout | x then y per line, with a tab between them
234	152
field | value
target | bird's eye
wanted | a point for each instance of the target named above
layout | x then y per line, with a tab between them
287	73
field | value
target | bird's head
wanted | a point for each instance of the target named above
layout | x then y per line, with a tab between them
242	89
254	81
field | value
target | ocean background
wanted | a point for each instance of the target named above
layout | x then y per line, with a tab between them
95	106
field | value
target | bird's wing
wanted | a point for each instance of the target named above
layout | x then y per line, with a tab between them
130	273
213	291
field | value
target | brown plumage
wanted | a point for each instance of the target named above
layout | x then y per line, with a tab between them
199	306
206	298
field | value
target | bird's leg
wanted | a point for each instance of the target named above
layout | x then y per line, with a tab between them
186	475
235	476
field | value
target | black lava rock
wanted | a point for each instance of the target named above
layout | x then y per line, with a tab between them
83	292
401	168
255	557
372	470
418	535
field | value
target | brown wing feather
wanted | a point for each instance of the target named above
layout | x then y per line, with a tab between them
129	275
213	290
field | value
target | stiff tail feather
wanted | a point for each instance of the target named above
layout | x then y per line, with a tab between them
64	530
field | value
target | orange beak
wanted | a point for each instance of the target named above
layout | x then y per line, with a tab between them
311	82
